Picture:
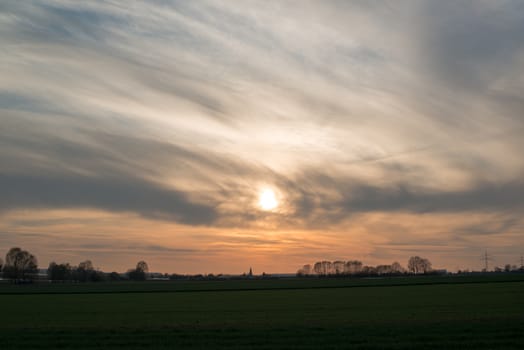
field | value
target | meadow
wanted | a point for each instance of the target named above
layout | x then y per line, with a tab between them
471	312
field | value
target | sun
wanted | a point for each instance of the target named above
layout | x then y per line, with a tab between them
267	199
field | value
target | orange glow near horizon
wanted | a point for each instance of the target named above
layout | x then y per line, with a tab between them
374	238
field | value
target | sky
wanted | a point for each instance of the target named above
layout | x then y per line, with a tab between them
150	130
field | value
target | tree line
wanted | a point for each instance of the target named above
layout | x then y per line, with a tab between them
20	265
416	265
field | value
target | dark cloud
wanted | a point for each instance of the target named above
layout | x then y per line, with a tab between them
91	168
491	227
480	197
470	44
112	194
319	199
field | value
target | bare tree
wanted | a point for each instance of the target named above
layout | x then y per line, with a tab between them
368	270
397	268
142	266
418	265
338	267
414	264
19	264
85	271
307	269
383	269
353	267
304	270
318	268
59	272
327	267
86	265
139	273
426	266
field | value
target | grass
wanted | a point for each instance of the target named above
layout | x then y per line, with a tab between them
300	313
255	284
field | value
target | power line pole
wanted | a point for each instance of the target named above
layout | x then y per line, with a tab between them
486	257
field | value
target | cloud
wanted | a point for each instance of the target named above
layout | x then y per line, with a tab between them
170	93
469	44
112	194
492	227
179	111
317	200
481	197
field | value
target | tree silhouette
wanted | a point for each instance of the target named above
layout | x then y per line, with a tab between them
59	272
327	267
383	269
417	265
397	268
305	270
85	271
86	265
339	267
19	264
142	266
139	273
353	267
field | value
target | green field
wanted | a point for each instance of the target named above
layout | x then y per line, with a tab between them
428	312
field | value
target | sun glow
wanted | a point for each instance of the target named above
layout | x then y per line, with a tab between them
267	199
